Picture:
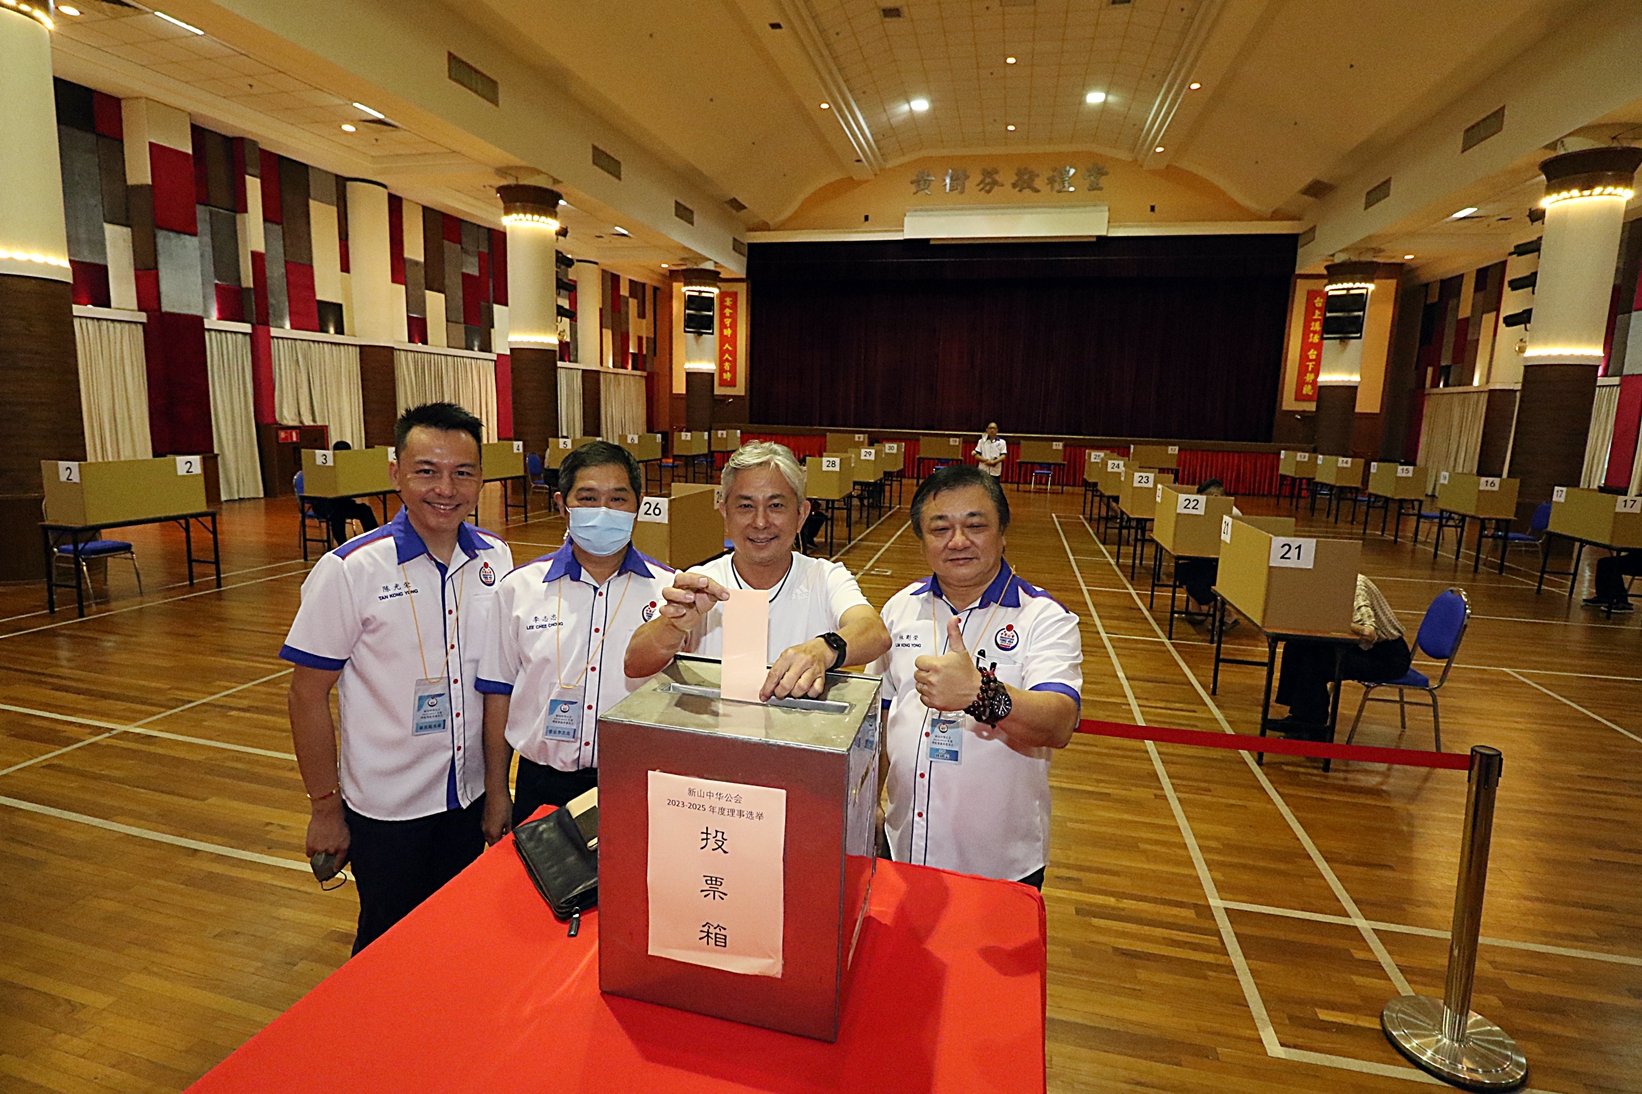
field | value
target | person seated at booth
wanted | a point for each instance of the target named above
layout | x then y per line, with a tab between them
1611	573
1198	575
337	512
983	681
1381	654
819	621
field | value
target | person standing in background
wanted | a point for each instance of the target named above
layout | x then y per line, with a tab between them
990	451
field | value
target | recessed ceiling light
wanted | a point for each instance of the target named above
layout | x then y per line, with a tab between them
1465	212
1194	86
1095	98
1010	128
619	230
1159	148
71	12
174	21
1009	60
826	106
1407	257
377	114
919	105
664	265
349	127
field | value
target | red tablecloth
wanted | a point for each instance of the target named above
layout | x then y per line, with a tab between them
481	990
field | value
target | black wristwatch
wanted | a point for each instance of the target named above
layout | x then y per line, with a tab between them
839	648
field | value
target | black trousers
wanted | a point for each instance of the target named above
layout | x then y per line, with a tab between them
536	785
1612	571
1198	575
399	864
1308	669
812	527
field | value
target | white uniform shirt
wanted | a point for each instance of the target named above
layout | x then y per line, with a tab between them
809	601
557	648
991	448
364	606
958	800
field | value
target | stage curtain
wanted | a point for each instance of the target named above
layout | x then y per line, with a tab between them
1600	439
1451	430
113	388
621	404
317	383
428	376
570	402
233	422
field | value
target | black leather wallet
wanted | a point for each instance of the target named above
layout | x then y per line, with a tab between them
560	865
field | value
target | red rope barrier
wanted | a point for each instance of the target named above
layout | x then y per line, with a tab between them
1248	742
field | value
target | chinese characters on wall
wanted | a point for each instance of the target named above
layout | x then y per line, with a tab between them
1311	348
1059	179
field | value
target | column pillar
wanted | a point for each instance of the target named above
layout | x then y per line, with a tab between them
695	329
37	360
1585	196
377	315
530	215
1350	292
589	279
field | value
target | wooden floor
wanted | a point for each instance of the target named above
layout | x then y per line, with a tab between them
1212	925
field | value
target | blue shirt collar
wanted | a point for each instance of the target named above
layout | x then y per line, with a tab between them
408	542
565	564
1001	586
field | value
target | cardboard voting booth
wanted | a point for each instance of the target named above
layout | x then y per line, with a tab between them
1297	464
869	465
498	460
946	447
1340	471
725	440
1155	456
1187	524
893	454
557	449
690	442
643	446
1094	462
1041	452
737	847
843	442
829	477
682	528
1288	583
1110	476
1400	481
1487	496
1595	517
1137	496
109	491
577	442
328	474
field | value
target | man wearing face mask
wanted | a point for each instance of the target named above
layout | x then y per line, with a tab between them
553	663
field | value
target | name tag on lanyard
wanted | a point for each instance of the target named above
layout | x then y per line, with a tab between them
564	714
432	711
946	738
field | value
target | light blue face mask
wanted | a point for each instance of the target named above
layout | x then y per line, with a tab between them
600	531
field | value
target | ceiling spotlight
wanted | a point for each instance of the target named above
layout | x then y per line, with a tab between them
377	114
1095	98
826	106
919	105
1010	128
664	265
1009	60
1159	148
174	21
1463	213
1407	257
619	230
71	12
1194	86
349	127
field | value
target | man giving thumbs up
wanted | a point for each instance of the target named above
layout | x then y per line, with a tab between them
983	678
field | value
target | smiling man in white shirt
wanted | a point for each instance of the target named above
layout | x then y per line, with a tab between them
819	621
990	451
553	662
395	620
983	681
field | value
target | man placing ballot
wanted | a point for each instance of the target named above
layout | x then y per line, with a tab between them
818	619
982	681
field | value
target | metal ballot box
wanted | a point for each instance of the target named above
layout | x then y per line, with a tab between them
737	847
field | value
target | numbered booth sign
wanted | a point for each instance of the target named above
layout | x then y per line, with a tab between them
1189	503
830	463
653	510
1293	552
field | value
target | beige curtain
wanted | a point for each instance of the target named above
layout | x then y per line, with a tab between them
621	403
317	383
1451	433
423	376
1600	438
570	402
233	421
113	388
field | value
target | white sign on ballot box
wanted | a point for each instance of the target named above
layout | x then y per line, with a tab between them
1114	465
1405	472
653	510
1627	505
1057	446
1225	528
1174	450
891	447
829	463
564	442
1188	503
1343	461
1292	552
715	879
1142	479
632	438
1559	494
189	465
68	471
322	457
1488	485
1302	457
518	446
868	454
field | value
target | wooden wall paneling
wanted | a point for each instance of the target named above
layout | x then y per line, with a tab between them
698	400
1296	428
1336	418
1549	449
378	393
1497	422
730	410
535	395
1402	381
592	418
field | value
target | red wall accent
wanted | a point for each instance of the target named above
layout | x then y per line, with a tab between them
236	150
450	228
262	373
148	290
173	189
498	266
231	303
396	239
416	327
504	396
272	211
344	249
472	301
90	283
105	116
299	291
1627	421
259	288
179	391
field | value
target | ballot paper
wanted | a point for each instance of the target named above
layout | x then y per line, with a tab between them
746	638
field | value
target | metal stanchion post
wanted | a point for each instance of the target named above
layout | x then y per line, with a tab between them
1445	1037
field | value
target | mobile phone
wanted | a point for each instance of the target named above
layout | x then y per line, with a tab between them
325	865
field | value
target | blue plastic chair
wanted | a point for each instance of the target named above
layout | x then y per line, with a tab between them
96	548
306	513
537	472
1441	632
1537	524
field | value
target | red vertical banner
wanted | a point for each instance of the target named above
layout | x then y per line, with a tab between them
729	329
1311	348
